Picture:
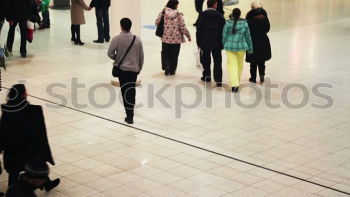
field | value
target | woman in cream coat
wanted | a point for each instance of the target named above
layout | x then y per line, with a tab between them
77	17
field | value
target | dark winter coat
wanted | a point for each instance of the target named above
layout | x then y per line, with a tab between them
103	4
209	29
23	136
18	10
259	26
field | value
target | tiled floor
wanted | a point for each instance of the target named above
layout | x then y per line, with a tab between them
97	157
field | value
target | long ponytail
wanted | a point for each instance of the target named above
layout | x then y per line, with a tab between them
236	14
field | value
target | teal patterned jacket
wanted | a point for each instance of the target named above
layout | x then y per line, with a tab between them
238	41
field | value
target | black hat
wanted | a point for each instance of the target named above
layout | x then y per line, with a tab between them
36	170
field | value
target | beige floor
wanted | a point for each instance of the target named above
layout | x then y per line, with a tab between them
95	157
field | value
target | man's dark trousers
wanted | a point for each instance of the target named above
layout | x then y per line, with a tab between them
127	82
11	36
253	68
206	62
102	18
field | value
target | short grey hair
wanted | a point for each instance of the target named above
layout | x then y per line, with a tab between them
256	4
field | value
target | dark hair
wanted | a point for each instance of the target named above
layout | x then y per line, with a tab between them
172	4
236	14
211	3
16	94
126	24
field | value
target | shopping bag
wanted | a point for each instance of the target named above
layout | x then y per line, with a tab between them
160	27
30	31
230	2
197	55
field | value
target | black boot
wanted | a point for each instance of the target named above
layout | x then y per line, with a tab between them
129	120
51	184
252	80
235	89
262	79
72	29
78	41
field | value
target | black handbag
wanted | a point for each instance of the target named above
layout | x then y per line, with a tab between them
160	27
115	70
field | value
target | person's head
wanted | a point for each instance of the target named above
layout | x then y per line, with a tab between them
236	14
256	5
212	4
17	94
125	24
172	4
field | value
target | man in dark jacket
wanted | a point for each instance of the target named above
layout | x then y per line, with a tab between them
259	26
18	12
199	7
209	40
23	134
102	17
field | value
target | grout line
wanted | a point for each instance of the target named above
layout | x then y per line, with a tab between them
191	145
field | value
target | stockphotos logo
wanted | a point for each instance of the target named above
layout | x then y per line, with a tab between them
201	95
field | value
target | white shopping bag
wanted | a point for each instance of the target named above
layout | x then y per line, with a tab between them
230	2
197	55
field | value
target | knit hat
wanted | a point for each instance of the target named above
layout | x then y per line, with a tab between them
36	170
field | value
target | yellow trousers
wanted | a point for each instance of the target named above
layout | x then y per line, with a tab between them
235	66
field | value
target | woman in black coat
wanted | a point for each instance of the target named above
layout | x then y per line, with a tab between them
259	26
23	136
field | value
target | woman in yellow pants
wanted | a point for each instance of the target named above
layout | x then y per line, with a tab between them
236	40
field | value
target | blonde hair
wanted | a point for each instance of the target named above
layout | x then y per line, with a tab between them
256	4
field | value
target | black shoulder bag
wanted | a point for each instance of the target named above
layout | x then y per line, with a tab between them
115	70
160	27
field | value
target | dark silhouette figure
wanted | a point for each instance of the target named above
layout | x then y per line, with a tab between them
259	26
209	39
102	18
23	136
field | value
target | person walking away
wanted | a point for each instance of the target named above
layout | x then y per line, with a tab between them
45	14
209	39
18	13
77	17
102	18
259	26
236	40
129	67
199	8
173	36
23	136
